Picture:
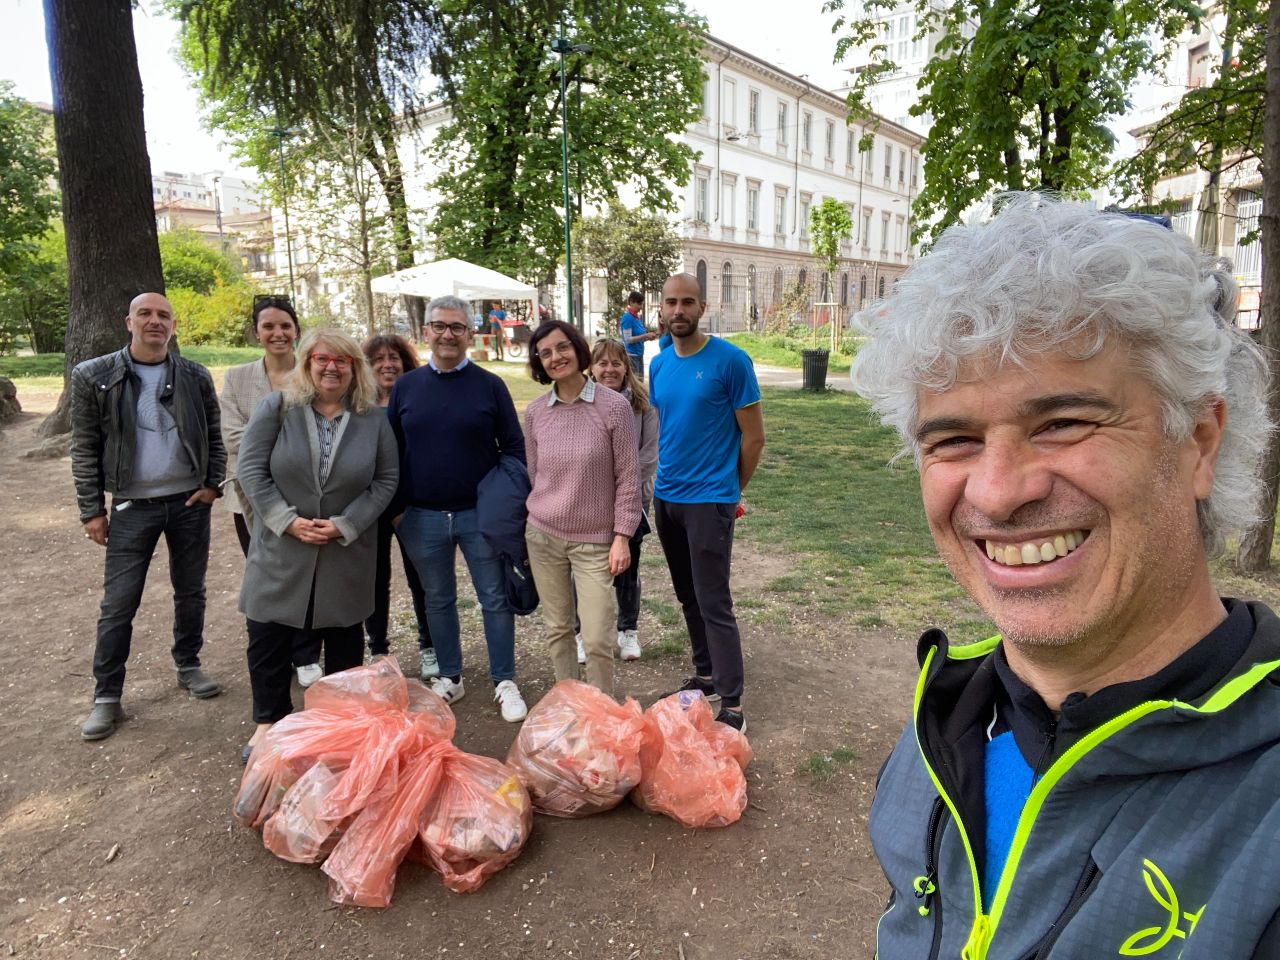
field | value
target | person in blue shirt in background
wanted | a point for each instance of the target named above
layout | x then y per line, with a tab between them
633	333
711	434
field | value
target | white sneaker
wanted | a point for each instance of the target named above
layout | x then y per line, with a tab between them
629	645
582	651
309	674
430	665
447	690
507	695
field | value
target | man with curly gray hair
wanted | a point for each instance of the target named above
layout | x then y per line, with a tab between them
1100	779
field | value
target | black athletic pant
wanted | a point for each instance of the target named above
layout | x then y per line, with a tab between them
271	663
697	539
376	625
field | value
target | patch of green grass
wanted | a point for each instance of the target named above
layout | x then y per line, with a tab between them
825	495
667	614
40	365
821	767
783	350
671	642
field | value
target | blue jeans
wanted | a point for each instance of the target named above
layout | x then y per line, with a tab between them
430	538
131	540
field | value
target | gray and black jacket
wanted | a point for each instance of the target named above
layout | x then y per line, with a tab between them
103	425
1152	833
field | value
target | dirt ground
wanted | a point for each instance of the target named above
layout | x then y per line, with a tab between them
127	847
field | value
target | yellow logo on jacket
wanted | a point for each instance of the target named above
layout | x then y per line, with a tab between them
1151	940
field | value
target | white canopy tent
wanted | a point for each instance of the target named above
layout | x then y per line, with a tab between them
457	277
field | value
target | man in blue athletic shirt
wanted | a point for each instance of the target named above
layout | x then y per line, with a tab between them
1100	780
711	434
632	330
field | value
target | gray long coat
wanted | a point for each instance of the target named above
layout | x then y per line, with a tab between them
278	468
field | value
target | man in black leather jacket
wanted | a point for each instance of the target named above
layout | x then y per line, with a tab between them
145	429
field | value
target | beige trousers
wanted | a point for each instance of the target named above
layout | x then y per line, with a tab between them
557	566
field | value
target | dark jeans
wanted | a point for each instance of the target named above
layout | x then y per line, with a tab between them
376	625
306	648
271	663
131	541
637	364
698	541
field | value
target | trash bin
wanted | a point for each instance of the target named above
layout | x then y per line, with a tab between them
815	368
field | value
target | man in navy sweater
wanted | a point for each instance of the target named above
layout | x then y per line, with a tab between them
453	420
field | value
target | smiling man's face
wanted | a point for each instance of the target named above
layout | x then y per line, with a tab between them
150	322
1058	501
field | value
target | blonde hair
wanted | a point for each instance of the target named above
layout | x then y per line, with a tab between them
301	391
639	392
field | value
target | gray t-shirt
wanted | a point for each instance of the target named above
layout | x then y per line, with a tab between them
161	466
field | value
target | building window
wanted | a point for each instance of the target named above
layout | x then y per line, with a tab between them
862	290
701	271
884	233
729	201
888	163
881	293
804	216
780	214
1182	219
706	97
782	123
831	140
727	293
777	284
1248	258
1198	65
803	280
849	137
753	111
701	190
866	229
753	208
915	172
729	103
902	167
844	289
806	132
751	286
867	158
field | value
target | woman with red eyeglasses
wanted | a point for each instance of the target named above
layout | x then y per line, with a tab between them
318	463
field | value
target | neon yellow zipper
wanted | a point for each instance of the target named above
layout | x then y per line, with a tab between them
984	925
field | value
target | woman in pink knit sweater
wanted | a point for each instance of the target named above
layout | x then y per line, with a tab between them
580	443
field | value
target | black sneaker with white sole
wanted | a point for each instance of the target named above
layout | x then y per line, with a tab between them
703	687
733	718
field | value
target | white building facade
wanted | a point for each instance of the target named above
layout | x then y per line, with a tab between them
771	148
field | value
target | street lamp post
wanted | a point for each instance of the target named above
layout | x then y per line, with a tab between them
280	133
217	212
563	47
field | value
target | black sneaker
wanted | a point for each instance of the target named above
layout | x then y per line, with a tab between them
703	687
733	718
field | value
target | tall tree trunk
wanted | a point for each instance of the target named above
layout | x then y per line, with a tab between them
390	173
1255	547
105	175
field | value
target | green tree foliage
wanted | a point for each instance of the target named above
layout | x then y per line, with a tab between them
1212	127
636	250
33	301
268	69
829	223
192	264
500	188
219	317
28	191
1020	92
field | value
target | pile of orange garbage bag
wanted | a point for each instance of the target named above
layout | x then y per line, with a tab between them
366	775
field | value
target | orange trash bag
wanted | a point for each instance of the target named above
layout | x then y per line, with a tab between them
578	752
691	765
378	686
289	749
296	831
477	823
362	867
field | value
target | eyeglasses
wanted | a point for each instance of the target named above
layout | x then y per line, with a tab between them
323	360
271	300
561	348
439	326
